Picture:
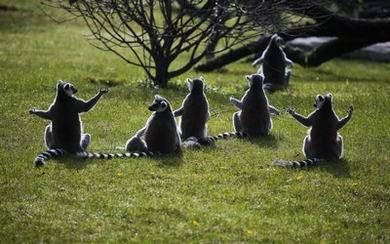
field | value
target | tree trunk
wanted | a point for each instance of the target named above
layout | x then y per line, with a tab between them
326	51
162	75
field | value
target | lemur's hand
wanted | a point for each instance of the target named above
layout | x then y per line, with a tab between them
291	111
103	91
350	110
32	111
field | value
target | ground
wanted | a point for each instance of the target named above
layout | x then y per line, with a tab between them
229	193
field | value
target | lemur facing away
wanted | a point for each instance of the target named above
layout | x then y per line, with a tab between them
159	136
273	65
194	114
323	142
254	117
64	135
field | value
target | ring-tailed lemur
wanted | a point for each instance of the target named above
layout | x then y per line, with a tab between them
64	135
323	141
160	132
254	117
65	132
273	65
194	114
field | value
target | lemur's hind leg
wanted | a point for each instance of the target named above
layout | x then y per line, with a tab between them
49	141
287	77
237	122
339	147
85	139
136	144
308	149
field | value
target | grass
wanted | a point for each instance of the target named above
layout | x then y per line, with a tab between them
229	193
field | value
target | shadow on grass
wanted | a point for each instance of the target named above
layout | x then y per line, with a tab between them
77	163
6	8
170	160
338	168
268	141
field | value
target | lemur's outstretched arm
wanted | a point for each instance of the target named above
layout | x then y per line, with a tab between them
345	120
141	132
258	61
237	103
273	110
288	62
86	106
42	113
300	118
178	112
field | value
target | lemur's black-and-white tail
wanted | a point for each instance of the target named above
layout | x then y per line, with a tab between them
51	153
193	142
58	152
297	164
226	135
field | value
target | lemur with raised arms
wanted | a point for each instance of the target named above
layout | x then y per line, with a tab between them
254	118
273	65
64	135
159	135
194	113
323	141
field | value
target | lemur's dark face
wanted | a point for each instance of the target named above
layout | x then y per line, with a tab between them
196	85
255	80
67	88
321	101
159	104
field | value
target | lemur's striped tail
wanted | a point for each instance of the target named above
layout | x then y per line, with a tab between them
297	164
47	155
226	135
55	153
193	142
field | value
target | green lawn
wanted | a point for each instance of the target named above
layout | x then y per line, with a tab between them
229	193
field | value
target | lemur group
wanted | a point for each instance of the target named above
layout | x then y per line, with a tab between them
161	134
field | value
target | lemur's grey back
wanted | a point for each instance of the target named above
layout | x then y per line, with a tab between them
274	65
323	141
323	132
255	115
195	112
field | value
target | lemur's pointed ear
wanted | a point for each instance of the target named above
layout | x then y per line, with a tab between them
330	96
59	83
201	78
190	84
249	79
